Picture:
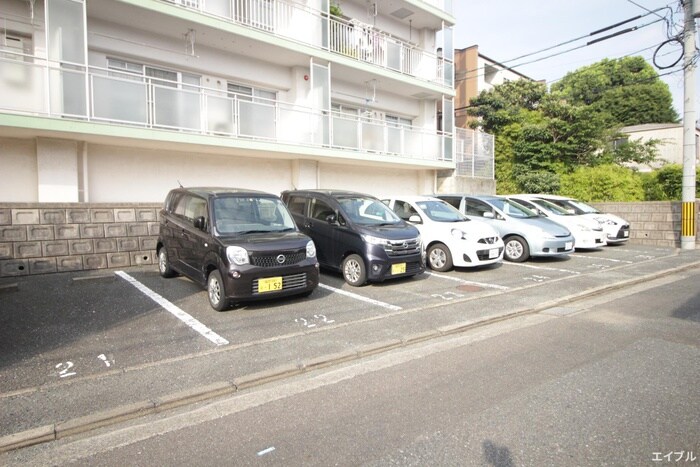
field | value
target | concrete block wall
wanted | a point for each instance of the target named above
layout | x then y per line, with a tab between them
653	223
41	238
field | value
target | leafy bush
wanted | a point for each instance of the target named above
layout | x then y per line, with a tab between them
538	182
666	183
603	183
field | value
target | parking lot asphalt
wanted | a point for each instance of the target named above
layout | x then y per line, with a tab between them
83	350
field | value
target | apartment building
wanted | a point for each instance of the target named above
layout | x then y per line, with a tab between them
120	100
474	73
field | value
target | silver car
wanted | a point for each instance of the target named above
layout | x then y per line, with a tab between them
524	232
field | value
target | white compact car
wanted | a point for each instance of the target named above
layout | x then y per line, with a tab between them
587	232
617	230
449	237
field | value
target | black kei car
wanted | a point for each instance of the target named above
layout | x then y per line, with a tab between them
240	244
357	234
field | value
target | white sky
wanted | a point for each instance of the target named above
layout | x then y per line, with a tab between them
506	29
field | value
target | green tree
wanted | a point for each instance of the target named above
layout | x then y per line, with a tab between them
627	91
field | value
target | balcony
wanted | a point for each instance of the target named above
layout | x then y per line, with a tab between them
33	86
474	154
352	39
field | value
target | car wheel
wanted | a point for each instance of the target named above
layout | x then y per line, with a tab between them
354	271
439	258
516	249
216	291
164	264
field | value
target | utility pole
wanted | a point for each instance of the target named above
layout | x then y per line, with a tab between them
688	228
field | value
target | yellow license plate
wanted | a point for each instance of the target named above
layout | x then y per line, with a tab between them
398	268
269	284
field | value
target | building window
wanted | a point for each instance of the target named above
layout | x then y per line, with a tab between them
248	93
154	75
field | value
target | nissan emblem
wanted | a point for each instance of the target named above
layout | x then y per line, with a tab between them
281	259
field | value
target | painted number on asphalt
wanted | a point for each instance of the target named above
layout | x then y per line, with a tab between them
315	321
64	369
447	295
536	278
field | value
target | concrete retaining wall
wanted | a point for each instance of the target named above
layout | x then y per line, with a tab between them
41	238
653	223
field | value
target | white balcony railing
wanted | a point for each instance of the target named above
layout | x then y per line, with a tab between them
37	87
349	38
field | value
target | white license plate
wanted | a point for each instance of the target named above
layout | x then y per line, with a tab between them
493	253
569	245
626	233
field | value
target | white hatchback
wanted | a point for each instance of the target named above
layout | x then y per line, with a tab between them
449	237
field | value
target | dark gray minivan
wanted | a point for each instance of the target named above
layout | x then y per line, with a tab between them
357	234
241	244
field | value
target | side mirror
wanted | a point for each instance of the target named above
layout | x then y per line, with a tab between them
488	215
415	219
331	218
200	223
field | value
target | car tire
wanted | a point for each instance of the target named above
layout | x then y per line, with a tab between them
516	249
354	270
164	264
439	257
216	291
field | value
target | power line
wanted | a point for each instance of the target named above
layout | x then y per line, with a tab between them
464	77
459	76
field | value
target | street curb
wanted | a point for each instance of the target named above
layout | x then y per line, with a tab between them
130	411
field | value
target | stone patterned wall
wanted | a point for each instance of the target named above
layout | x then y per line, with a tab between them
653	223
40	238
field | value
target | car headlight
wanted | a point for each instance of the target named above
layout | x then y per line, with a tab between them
310	249
237	255
374	240
459	234
547	235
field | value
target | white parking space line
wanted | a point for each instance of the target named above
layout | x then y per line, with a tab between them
462	281
177	312
568	271
604	259
360	297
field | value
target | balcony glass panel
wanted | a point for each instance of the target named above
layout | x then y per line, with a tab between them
22	86
296	125
220	115
394	139
176	108
66	31
372	137
256	120
218	7
393	55
345	132
119	100
67	89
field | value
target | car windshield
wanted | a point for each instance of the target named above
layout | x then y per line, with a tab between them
585	208
244	214
551	207
440	211
367	211
512	209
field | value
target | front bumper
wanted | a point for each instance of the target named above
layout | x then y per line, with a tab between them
296	279
552	247
381	266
